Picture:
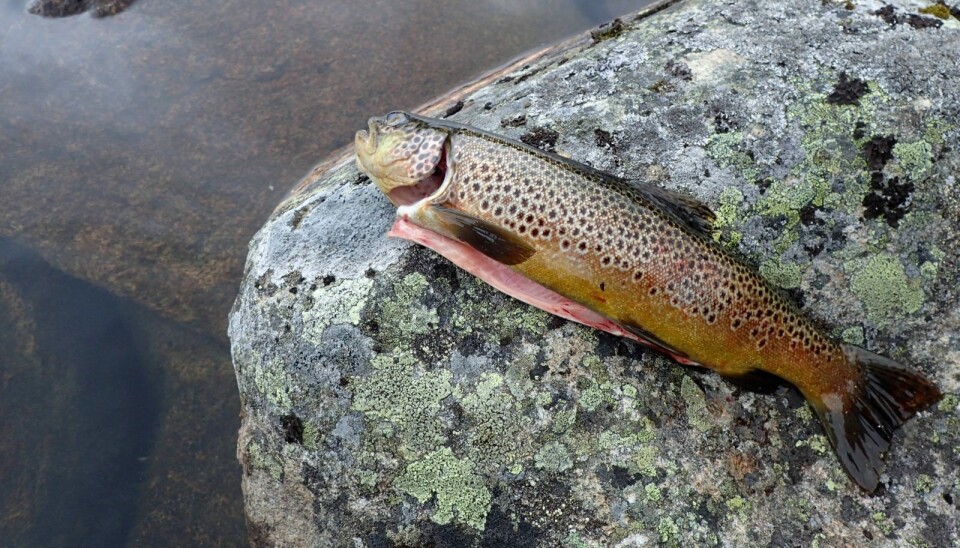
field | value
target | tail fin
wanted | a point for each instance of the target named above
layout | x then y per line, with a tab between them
860	425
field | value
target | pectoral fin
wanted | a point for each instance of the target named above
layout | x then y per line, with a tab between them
493	241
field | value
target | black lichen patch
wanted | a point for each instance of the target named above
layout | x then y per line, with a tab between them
920	22
298	216
878	151
721	123
292	428
887	199
516	121
889	15
538	371
858	130
679	70
604	139
542	138
448	535
847	91
501	530
608	30
454	109
808	215
361	179
621	478
328	279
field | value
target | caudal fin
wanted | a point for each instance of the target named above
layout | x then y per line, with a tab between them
860	425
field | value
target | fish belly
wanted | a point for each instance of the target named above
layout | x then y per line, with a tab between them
514	284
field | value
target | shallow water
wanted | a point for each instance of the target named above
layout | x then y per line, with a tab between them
138	154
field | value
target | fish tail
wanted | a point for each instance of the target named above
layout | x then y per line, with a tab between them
860	424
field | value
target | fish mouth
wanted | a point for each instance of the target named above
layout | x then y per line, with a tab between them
425	188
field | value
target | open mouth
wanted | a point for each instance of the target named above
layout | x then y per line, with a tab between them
426	187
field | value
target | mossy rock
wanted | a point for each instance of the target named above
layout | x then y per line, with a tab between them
391	399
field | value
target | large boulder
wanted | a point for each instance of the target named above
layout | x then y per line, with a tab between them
390	398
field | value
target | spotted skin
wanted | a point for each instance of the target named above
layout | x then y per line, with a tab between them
636	263
622	253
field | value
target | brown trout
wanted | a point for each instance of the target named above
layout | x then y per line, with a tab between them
633	260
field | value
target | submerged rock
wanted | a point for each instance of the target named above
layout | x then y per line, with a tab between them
391	399
64	8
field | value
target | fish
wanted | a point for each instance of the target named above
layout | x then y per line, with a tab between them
631	259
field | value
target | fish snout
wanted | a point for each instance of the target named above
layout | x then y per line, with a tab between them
365	140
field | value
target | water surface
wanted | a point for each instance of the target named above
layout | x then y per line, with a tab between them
138	154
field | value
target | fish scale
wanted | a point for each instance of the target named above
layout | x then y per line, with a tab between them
631	259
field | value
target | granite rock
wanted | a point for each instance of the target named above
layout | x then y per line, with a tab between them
391	399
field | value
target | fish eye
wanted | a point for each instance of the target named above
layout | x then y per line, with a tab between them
395	118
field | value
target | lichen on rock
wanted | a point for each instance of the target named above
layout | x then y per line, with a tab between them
390	398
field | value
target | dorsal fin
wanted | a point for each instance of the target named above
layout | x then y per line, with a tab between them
682	206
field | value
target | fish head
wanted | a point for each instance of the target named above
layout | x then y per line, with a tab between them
403	155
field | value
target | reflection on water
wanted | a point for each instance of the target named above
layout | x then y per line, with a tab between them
138	154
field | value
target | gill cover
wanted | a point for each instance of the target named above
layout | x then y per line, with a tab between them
398	150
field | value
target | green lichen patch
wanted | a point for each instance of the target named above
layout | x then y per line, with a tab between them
508	319
338	303
924	483
401	393
272	380
697	413
262	461
553	457
592	398
730	201
404	315
915	159
454	482
496	437
652	492
853	335
645	460
729	150
785	275
882	285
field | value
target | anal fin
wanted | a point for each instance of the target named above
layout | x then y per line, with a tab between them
657	344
